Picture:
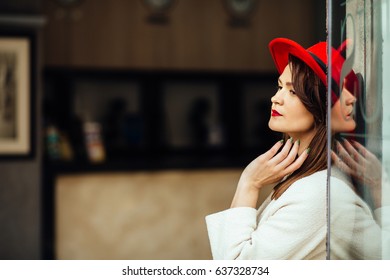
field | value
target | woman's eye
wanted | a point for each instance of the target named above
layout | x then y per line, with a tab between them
279	88
292	91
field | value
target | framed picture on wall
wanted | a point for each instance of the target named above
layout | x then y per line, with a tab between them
15	96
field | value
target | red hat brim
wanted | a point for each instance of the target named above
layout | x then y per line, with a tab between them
281	48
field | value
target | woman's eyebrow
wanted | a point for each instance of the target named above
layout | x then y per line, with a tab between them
289	84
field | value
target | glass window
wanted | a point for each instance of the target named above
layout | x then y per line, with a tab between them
359	146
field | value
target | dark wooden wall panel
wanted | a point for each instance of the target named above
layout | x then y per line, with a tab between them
197	35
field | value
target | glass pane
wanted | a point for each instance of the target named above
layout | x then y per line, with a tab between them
359	202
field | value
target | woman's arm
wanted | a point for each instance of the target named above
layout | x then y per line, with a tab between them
291	227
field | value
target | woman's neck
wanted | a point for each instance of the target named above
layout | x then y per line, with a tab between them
304	140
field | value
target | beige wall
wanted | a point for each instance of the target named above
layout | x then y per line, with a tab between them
139	215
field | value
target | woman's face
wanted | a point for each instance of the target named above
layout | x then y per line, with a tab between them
342	112
288	114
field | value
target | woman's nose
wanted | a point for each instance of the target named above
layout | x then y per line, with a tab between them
277	98
350	99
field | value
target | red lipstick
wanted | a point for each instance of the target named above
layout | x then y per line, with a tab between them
275	113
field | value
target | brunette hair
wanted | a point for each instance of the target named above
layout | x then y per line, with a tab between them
312	93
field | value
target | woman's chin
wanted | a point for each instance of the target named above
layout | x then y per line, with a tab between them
274	128
346	128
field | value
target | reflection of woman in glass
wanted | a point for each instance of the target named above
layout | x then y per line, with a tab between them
348	155
342	118
356	231
291	222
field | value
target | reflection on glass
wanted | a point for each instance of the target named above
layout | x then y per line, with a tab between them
355	229
359	213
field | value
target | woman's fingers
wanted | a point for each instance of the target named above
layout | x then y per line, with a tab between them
340	163
282	161
283	153
290	163
346	157
367	155
362	150
297	163
334	157
353	152
291	156
272	152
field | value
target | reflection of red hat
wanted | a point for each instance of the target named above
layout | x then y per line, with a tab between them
316	57
352	81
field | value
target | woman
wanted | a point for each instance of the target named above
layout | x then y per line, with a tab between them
291	222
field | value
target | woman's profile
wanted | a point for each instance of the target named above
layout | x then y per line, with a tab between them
291	223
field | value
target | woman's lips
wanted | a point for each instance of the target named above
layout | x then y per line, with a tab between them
275	113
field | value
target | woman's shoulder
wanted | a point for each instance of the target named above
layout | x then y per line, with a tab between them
342	189
306	196
312	186
316	186
317	180
316	176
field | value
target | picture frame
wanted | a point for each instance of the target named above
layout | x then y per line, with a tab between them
15	96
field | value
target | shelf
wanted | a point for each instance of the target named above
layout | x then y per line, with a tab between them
201	159
22	20
192	119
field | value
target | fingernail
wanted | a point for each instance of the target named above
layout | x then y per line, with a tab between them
298	141
307	150
281	141
291	139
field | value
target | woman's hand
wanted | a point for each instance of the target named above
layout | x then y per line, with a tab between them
355	160
268	168
360	164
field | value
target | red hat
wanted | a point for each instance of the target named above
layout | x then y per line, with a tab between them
316	57
352	81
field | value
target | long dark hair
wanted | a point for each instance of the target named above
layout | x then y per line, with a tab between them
312	93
